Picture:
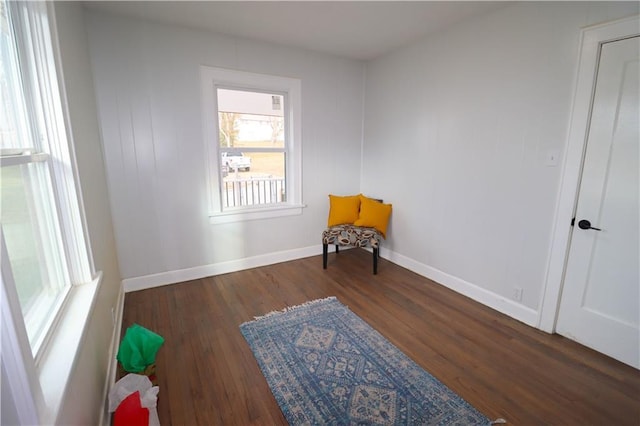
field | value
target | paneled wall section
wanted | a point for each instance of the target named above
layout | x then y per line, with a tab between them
148	90
469	118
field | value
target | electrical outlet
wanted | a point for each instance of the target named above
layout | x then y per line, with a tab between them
517	294
113	316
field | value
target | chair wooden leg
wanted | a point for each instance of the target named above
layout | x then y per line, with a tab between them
337	248
375	261
325	250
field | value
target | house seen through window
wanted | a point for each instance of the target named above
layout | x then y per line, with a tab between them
253	149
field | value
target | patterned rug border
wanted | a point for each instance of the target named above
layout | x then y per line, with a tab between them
268	321
289	309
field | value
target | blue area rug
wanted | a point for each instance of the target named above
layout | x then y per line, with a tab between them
325	365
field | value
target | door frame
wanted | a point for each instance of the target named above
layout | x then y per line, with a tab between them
591	40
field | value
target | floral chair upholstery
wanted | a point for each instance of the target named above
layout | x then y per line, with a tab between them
354	236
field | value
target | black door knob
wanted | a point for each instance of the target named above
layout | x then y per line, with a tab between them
585	224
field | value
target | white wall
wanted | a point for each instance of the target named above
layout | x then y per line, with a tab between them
9	411
84	398
467	118
148	91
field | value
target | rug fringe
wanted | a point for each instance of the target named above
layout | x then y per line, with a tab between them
290	308
499	421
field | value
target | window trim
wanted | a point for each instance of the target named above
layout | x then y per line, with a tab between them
47	115
56	270
38	385
211	79
26	158
17	362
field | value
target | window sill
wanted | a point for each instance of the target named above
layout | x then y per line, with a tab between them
57	364
255	214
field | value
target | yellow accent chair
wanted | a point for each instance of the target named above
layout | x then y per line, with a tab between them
356	221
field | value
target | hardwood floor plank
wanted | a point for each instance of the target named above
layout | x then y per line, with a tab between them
207	373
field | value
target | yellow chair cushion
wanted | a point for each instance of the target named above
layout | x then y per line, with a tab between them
343	210
374	214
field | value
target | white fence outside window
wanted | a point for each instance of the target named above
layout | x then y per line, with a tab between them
253	191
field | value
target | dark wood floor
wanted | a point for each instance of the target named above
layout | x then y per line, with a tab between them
208	375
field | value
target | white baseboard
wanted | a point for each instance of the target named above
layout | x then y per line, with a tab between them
112	369
495	301
172	277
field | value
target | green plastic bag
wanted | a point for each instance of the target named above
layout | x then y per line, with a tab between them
138	349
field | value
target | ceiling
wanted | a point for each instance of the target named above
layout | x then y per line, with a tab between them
360	30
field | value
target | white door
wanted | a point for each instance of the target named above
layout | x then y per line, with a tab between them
600	304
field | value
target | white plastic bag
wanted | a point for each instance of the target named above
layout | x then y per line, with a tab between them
148	394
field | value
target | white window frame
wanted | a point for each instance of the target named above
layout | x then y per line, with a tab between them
37	384
55	267
213	78
45	106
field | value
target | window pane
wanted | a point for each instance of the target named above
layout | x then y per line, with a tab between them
250	119
14	131
33	245
263	184
252	147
